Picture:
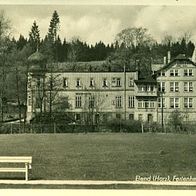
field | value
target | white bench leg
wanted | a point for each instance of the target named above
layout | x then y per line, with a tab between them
26	173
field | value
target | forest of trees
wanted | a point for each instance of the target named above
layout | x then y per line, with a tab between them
78	50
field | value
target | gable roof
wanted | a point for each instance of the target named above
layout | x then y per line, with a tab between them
180	57
148	80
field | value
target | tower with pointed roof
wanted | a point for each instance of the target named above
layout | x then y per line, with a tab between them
35	84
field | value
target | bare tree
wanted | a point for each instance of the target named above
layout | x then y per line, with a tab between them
52	87
93	107
134	36
168	40
4	41
186	36
18	97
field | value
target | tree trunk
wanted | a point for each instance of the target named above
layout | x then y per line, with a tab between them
18	99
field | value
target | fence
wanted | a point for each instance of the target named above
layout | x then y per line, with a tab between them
17	128
128	127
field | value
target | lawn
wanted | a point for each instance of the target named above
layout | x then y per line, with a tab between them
103	156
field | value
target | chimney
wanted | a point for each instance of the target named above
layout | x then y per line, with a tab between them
168	57
164	60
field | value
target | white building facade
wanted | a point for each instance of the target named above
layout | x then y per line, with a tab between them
105	95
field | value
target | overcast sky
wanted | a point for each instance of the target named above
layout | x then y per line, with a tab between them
94	23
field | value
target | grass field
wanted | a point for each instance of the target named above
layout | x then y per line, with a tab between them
96	156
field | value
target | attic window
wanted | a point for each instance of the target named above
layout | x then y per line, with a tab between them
174	72
78	82
105	83
171	72
188	72
131	82
91	82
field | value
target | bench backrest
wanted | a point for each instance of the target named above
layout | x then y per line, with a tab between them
15	159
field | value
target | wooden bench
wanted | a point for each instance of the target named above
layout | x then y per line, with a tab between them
17	159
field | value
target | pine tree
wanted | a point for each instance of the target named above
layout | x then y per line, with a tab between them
34	37
54	27
21	42
51	49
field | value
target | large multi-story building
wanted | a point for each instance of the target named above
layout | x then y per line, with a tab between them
177	88
104	94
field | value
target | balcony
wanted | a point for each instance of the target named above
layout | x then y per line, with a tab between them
146	93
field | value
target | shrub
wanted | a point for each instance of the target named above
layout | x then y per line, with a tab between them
129	126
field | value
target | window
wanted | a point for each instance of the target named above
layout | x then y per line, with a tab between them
29	101
131	116
150	118
174	86
91	82
38	82
171	72
78	101
174	102
118	82
146	104
131	82
131	101
140	117
91	102
188	87
97	118
162	87
160	102
78	82
113	81
174	72
163	73
118	101
141	88
78	117
118	116
150	88
140	104
105	83
151	104
65	82
29	83
105	117
188	72
188	102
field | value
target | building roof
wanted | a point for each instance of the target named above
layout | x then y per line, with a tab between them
148	80
91	66
179	58
156	67
37	62
36	57
77	66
